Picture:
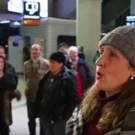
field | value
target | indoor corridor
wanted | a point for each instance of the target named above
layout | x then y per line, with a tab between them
19	112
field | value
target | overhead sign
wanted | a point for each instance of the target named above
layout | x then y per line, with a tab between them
31	13
130	20
31	22
31	10
17	6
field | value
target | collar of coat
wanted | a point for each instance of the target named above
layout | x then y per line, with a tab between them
66	73
40	60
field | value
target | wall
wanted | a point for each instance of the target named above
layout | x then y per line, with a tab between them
50	29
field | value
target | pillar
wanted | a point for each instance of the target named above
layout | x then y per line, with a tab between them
88	26
132	7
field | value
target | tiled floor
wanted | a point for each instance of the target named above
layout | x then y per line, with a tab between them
19	126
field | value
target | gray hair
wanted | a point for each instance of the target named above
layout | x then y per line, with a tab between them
72	48
41	48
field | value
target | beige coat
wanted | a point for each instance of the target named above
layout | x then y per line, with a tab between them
33	77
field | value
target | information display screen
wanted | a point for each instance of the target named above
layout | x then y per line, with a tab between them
17	6
31	10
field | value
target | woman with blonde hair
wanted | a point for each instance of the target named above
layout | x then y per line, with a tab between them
108	107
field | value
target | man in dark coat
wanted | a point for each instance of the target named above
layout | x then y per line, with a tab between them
26	52
64	49
79	67
59	96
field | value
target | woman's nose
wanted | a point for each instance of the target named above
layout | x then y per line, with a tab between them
100	61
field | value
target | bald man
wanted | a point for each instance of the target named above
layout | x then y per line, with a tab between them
34	70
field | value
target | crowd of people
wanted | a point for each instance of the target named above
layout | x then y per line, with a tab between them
54	87
60	92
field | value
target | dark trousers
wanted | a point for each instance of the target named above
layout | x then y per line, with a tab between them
32	110
5	131
56	128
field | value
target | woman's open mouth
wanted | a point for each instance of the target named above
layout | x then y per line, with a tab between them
99	75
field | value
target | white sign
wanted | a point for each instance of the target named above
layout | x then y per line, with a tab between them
17	6
33	9
130	20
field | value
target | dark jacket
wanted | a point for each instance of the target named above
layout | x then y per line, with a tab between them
12	94
59	95
81	55
84	72
26	53
96	56
7	85
11	69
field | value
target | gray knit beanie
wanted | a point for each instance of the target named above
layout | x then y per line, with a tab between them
123	38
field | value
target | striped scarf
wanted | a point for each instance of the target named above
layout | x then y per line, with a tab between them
76	123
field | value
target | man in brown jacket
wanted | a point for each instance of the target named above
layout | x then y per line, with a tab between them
34	70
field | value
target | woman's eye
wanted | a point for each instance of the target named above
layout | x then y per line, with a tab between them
112	54
100	53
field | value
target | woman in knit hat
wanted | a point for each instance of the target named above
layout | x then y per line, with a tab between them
108	107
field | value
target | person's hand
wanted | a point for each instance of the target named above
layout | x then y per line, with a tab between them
18	95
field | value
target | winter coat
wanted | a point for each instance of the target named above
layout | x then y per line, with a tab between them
8	84
84	72
33	77
59	95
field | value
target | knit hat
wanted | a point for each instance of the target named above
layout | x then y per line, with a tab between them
123	38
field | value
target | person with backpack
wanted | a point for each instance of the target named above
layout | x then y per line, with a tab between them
57	96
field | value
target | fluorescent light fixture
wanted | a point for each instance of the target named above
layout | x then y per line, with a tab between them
14	8
16	23
103	34
17	35
130	20
4	21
